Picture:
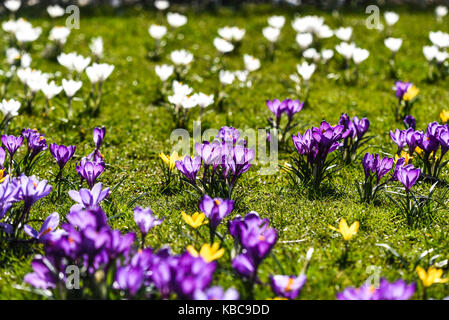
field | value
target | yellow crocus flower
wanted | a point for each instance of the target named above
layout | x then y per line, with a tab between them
411	93
207	252
404	155
195	220
444	115
346	231
2	175
433	275
170	161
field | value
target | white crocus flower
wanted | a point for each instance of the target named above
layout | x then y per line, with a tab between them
99	72
181	57
324	32
161	4
311	53
276	21
360	55
441	56
271	34
189	102
441	12
439	38
59	34
344	34
12	55
164	71
25	60
55	11
25	35
180	88
391	18
430	52
157	32
176	20
222	45
226	77
71	87
310	24
251	63
50	90
12	5
80	63
66	60
326	55
96	46
10	108
306	70
346	49
304	40
232	33
394	44
204	100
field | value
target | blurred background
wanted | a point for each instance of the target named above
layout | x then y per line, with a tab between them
211	4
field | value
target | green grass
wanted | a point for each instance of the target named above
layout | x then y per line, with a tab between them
138	129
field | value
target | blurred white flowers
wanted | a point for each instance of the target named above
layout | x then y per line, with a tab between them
394	44
73	61
181	57
304	40
161	4
71	87
59	34
99	72
391	17
222	45
50	90
360	55
55	11
439	38
271	34
96	46
251	63
164	71
176	20
226	77
306	70
344	34
440	12
232	34
157	32
10	108
276	21
346	49
12	5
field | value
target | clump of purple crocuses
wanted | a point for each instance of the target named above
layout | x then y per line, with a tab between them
356	138
398	290
375	169
288	107
312	165
223	162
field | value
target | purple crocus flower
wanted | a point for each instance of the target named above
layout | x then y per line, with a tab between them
369	164
215	209
408	175
327	136
145	220
365	292
410	122
216	293
99	134
359	127
31	189
8	195
413	139
401	88
255	235
129	278
244	266
287	286
11	143
443	139
86	198
36	142
191	274
228	135
383	166
290	107
48	230
61	153
90	171
2	157
210	153
276	107
41	277
429	143
398	137
398	290
189	167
